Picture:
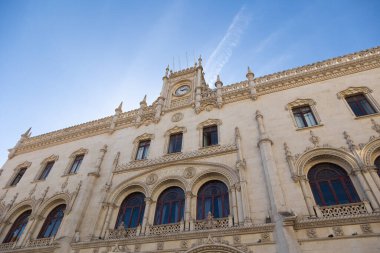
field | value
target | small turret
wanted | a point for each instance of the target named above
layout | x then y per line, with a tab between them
143	102
250	76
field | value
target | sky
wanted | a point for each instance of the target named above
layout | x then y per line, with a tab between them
66	62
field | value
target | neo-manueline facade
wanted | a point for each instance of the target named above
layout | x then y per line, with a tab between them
287	162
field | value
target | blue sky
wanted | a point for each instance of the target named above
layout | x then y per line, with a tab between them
67	62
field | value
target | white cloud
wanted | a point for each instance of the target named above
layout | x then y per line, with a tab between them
222	53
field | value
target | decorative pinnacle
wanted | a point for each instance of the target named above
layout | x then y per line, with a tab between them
143	102
200	61
27	134
167	71
119	109
250	74
218	81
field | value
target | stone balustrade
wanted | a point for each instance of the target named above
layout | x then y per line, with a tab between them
166	229
342	210
7	246
41	242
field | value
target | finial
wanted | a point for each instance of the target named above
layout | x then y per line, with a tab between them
119	109
200	61
167	71
250	74
218	82
143	102
27	134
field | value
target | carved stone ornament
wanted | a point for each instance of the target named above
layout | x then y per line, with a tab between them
366	228
137	247
184	244
151	179
265	237
311	233
160	245
338	231
237	239
375	126
119	248
189	172
177	117
314	139
299	102
352	91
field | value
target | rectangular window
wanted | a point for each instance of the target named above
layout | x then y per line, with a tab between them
360	105
18	177
210	136
304	116
46	170
76	164
175	143
142	150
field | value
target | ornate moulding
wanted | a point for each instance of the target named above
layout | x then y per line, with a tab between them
230	231
305	223
206	152
316	72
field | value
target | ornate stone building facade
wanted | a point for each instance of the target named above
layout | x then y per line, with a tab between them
287	162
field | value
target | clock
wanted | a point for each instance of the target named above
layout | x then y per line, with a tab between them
182	90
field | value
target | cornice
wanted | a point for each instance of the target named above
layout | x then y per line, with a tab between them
345	220
185	235
316	72
203	152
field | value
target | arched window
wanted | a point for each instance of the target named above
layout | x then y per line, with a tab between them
170	206
213	197
17	227
131	211
377	164
331	185
52	222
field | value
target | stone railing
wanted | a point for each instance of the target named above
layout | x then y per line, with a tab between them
7	246
235	87
342	210
165	229
121	233
40	242
213	223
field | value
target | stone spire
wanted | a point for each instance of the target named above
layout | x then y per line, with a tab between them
218	82
250	76
143	102
23	137
119	109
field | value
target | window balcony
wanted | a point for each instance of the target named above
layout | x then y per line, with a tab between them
350	209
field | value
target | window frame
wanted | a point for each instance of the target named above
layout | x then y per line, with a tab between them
145	149
48	219
301	103
44	163
209	133
174	142
172	131
136	141
124	205
355	91
25	165
160	204
15	225
207	123
81	151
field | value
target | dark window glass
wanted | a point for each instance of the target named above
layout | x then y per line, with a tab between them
213	198
17	227
377	164
131	211
76	164
52	222
304	116
360	105
210	136
170	206
175	143
331	185
142	150
46	170
18	177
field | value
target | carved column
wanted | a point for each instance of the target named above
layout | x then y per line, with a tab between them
372	170
219	98
250	76
148	203
240	204
368	193
234	207
107	222
198	86
187	209
306	194
285	241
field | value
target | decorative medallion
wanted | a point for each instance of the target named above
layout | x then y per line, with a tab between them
177	117
189	172
151	179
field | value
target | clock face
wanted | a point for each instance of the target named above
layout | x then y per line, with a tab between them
182	90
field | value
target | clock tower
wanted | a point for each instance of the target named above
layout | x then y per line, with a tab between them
182	88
